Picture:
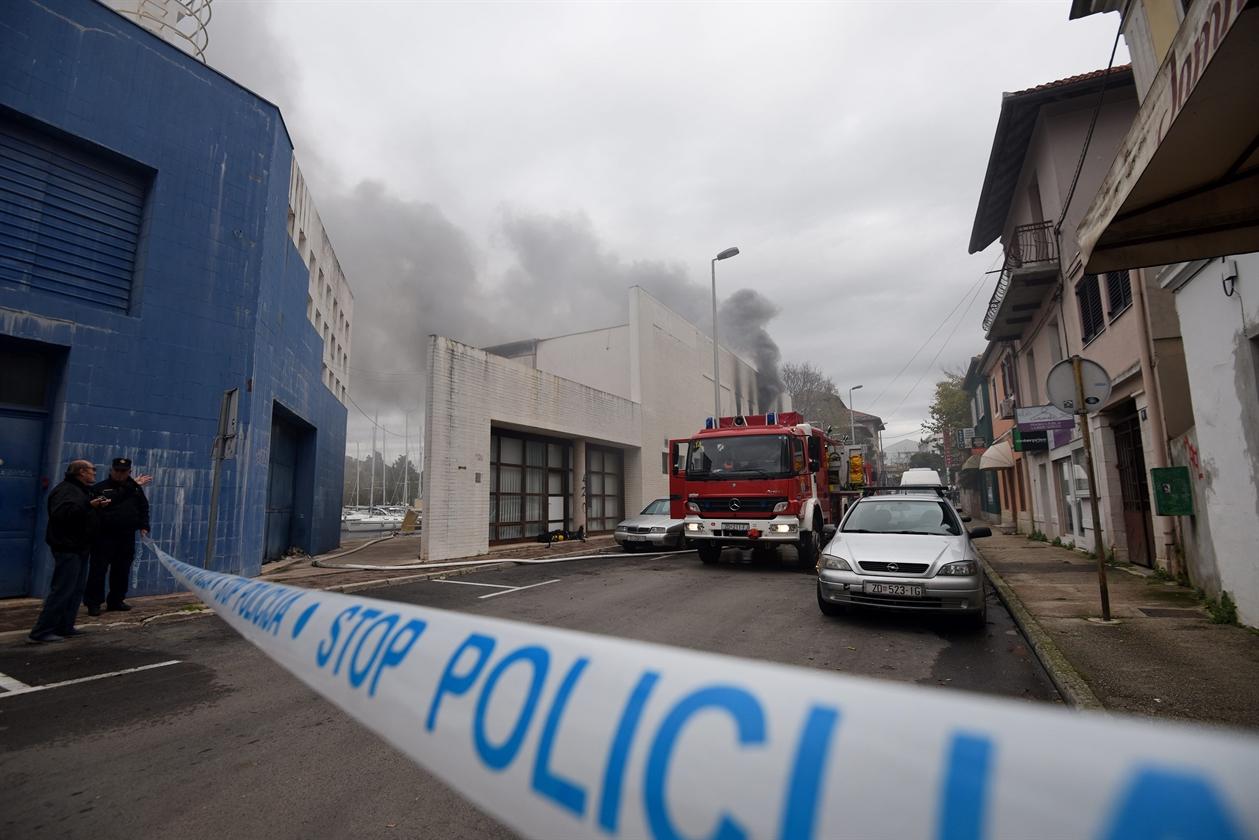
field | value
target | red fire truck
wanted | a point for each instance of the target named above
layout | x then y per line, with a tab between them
758	481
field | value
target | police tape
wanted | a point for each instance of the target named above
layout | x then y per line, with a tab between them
565	734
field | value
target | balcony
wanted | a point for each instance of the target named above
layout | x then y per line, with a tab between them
1030	270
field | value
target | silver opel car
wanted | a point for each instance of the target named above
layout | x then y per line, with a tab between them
903	552
650	529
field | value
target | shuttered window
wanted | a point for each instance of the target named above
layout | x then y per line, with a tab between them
1092	320
69	217
1118	292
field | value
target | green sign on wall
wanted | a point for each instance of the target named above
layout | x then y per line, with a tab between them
1173	491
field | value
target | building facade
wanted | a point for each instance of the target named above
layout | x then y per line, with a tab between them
1179	204
147	283
567	432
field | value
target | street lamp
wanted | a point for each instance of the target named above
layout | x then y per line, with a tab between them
852	417
724	255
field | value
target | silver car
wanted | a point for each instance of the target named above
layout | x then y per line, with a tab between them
903	552
650	529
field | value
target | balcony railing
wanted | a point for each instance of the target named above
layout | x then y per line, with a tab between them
1034	243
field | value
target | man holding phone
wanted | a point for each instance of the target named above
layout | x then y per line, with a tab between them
114	546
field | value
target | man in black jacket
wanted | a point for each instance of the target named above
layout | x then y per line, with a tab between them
72	509
114	547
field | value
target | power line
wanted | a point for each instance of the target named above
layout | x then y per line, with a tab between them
931	365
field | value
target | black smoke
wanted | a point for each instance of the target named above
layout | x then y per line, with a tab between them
744	317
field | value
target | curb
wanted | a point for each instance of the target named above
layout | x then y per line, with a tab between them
1071	686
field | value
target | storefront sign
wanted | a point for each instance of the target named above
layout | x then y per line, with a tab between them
1034	441
1042	418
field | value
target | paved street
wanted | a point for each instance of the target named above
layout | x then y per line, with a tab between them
223	743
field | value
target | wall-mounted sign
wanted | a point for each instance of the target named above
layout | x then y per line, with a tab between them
977	443
1173	491
1043	418
1033	441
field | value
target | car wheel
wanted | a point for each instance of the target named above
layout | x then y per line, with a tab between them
709	553
978	620
828	607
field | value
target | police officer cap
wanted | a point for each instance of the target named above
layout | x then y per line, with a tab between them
122	463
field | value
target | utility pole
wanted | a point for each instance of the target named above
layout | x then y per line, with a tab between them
358	463
406	452
1099	544
371	492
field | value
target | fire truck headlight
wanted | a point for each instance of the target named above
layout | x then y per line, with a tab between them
781	507
783	529
693	507
694	526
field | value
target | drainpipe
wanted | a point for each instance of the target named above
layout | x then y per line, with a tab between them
1164	526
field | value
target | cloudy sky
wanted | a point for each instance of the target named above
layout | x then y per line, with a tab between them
495	171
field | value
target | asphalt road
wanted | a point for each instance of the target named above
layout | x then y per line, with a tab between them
225	744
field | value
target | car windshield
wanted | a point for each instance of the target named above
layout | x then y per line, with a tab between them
767	455
660	507
877	516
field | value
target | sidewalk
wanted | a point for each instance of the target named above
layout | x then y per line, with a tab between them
1163	657
17	615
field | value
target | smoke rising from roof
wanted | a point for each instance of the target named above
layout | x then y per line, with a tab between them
744	316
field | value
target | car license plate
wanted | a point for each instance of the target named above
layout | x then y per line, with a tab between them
635	538
897	590
735	526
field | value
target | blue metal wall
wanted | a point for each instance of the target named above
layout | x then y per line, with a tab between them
220	294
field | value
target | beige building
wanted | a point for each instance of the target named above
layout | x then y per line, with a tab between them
565	432
1046	308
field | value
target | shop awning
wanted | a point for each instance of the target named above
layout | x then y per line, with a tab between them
971	463
1185	182
999	456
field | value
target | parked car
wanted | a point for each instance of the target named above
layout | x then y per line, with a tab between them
650	529
903	551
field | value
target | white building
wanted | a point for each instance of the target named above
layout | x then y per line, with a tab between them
329	300
565	432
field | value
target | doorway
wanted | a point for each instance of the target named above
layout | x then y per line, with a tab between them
1138	521
290	484
26	394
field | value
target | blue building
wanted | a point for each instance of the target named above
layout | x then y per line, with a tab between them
146	270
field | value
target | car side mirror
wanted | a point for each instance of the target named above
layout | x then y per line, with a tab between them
981	531
966	519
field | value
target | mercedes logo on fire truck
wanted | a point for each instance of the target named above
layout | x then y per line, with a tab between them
734	504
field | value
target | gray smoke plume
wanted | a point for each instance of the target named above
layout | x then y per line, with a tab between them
744	316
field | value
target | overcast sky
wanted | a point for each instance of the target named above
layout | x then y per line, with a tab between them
501	171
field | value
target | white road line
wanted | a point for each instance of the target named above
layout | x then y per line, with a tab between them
32	688
10	684
472	583
518	589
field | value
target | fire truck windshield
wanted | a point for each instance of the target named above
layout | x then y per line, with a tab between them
763	456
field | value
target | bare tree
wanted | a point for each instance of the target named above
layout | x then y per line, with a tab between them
812	391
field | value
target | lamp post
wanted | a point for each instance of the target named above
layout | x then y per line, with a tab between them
852	417
724	255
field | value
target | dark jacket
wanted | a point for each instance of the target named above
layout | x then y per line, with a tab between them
127	511
71	520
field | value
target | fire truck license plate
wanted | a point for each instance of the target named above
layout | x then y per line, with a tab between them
898	590
735	526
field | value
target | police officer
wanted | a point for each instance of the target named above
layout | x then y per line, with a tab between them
114	546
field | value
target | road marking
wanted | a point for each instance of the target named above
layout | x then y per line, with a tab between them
518	589
473	583
33	688
10	684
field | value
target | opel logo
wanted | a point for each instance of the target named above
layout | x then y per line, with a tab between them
734	504
893	567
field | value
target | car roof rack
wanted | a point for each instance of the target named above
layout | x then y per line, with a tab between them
873	490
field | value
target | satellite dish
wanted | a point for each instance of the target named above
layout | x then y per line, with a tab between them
1060	385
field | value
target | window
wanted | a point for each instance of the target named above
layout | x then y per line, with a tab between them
603	488
1032	393
1118	292
1089	295
528	486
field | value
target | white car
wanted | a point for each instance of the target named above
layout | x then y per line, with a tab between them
903	551
650	529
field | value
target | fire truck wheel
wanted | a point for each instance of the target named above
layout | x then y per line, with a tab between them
807	550
709	553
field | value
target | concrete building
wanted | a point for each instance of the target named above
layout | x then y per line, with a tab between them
565	432
1180	203
1046	307
145	272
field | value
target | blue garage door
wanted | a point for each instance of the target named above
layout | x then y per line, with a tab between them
281	487
70	217
25	387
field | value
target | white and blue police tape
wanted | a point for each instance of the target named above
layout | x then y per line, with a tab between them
566	734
